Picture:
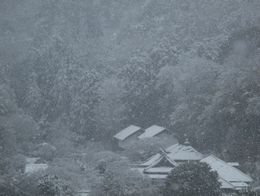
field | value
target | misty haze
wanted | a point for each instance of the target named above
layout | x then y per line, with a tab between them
129	97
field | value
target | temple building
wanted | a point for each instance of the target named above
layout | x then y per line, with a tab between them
160	165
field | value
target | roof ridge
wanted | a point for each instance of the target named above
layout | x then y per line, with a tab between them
134	128
226	181
153	132
242	173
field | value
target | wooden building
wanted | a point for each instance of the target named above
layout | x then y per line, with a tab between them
178	153
161	133
159	166
126	136
237	180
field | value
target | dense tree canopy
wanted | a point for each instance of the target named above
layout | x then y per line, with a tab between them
192	179
75	72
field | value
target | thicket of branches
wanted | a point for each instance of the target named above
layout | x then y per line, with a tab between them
75	71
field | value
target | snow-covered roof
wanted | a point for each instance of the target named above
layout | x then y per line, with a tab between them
178	152
240	185
225	171
83	192
225	184
32	168
158	170
157	176
151	160
152	131
128	131
163	157
234	164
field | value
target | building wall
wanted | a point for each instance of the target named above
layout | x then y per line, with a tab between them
166	139
128	141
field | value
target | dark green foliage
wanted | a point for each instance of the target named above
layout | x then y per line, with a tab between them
192	179
53	186
118	179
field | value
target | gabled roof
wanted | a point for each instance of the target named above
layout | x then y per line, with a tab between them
156	159
225	184
225	171
128	131
152	131
179	152
163	157
176	152
151	160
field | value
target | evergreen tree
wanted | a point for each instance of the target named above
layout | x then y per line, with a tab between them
192	179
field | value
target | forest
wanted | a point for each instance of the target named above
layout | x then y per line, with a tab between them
74	73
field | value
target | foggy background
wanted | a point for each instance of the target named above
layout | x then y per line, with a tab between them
75	73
